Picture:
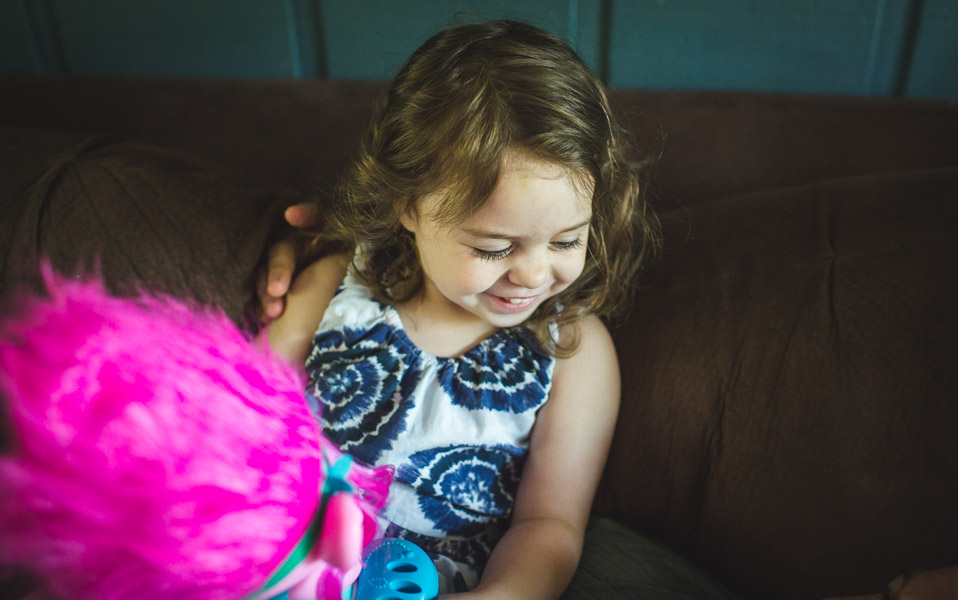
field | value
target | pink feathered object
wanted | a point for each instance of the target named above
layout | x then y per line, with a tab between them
158	453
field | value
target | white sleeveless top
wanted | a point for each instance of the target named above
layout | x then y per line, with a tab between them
456	429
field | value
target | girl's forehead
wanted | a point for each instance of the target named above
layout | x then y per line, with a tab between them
526	164
532	200
526	184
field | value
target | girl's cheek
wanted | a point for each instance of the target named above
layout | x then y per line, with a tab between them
572	269
490	273
476	273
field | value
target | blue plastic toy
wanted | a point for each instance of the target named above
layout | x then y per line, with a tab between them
395	569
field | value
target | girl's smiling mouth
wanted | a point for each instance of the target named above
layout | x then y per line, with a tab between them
512	304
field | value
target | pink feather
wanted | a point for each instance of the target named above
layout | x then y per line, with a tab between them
157	453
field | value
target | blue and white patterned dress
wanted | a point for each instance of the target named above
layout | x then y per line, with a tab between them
456	429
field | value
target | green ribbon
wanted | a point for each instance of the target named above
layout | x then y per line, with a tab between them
335	482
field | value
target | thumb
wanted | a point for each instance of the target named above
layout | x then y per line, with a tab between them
304	214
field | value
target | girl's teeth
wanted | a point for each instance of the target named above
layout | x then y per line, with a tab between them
517	300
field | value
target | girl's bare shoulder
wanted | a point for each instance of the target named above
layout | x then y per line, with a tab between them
594	347
591	372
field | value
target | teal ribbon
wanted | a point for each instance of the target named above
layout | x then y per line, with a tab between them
334	483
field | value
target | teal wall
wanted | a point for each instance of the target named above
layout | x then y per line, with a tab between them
871	47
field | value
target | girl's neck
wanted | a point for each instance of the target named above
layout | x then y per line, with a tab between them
441	328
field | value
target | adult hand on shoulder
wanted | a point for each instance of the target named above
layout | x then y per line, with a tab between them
273	281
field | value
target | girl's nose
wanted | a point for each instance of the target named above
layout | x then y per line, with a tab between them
530	270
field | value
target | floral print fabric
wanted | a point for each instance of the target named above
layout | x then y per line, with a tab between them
456	429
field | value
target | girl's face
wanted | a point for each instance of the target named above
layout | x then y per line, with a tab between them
525	244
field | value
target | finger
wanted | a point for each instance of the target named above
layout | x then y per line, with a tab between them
304	214
272	308
269	307
279	270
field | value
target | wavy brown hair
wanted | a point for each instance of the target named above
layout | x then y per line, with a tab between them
464	98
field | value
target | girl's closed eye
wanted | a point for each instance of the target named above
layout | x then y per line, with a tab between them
492	254
501	254
568	245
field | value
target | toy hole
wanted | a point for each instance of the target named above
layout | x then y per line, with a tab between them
405	587
398	566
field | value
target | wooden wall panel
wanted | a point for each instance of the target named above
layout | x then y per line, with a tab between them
371	39
231	38
877	47
16	54
933	68
771	45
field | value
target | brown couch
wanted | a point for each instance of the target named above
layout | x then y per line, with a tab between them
789	422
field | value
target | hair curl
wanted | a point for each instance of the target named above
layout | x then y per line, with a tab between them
460	102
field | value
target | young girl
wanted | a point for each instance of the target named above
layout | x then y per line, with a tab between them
490	220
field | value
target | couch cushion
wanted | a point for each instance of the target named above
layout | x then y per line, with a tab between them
293	133
141	215
297	133
789	409
716	144
621	564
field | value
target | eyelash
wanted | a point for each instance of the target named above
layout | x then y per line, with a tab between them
501	254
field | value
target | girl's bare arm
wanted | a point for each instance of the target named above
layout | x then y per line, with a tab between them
539	553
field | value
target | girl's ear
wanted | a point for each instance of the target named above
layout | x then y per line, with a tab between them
410	219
